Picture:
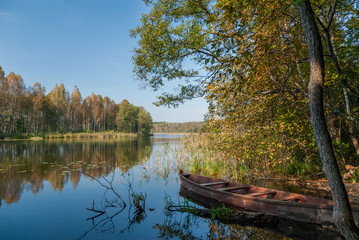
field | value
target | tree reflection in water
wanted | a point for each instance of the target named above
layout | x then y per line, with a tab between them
27	164
185	228
173	228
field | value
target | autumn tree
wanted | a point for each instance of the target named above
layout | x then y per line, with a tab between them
97	111
75	111
248	92
106	102
59	100
38	100
12	88
342	216
109	113
3	101
255	73
87	114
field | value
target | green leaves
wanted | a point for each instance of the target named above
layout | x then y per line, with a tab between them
133	119
299	2
173	36
257	71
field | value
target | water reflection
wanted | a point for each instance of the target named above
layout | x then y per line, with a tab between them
26	165
184	227
54	171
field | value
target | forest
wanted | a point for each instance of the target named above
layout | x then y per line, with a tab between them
186	127
30	111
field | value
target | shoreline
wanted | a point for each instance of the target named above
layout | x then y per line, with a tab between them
53	136
99	135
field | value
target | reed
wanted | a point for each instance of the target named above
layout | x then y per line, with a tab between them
198	156
163	162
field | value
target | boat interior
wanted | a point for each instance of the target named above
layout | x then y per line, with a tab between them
253	191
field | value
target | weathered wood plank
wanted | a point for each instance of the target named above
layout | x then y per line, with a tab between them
256	194
288	198
213	183
232	188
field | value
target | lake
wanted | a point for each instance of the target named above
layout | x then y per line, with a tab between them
63	190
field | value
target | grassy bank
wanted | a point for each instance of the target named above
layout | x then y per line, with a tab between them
95	135
104	135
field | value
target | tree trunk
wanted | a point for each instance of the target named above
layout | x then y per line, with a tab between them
342	216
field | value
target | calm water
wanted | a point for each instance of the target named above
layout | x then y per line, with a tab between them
47	187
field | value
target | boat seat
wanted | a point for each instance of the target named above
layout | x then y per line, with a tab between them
260	193
233	188
213	183
289	199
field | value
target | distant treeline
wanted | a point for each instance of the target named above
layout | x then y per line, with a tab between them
187	127
29	110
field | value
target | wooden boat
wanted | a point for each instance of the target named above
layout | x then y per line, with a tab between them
264	200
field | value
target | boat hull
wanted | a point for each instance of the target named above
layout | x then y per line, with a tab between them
312	210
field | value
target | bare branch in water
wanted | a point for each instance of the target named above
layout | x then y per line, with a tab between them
109	187
106	224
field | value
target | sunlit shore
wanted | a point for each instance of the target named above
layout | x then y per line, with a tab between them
104	135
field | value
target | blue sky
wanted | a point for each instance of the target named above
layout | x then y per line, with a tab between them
84	43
